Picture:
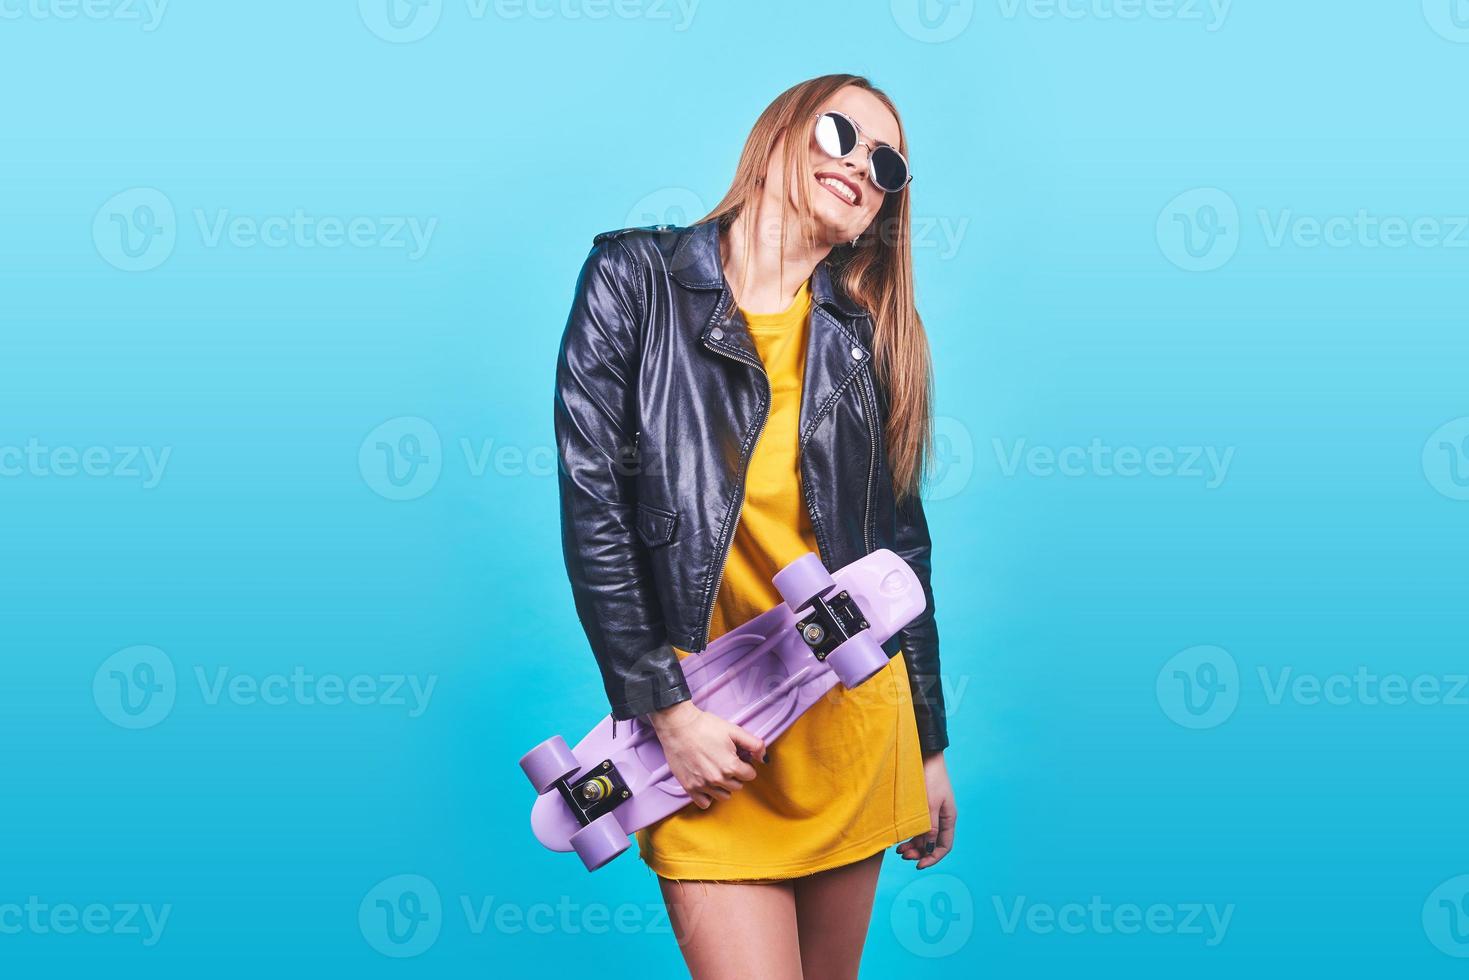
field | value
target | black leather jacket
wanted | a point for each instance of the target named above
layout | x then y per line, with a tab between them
660	397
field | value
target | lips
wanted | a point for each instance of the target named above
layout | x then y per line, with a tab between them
840	188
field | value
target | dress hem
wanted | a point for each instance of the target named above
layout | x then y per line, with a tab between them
720	870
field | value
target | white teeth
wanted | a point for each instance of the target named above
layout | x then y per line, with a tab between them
846	192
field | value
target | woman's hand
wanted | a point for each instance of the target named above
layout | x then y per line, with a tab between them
929	849
707	755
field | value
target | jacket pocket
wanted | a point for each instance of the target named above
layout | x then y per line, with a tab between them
656	525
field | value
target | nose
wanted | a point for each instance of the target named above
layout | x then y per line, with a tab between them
857	161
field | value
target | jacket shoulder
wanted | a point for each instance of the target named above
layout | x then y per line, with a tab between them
645	230
651	245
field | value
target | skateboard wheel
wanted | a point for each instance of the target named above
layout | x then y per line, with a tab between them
599	841
548	763
803	580
857	659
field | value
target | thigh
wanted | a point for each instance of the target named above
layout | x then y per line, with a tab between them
734	930
833	909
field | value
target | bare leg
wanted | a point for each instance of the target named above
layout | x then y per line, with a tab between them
730	930
833	909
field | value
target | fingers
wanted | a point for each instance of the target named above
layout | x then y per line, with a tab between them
933	846
939	852
744	740
744	772
731	782
940	838
706	791
933	852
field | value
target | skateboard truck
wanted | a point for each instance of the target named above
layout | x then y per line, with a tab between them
831	623
597	792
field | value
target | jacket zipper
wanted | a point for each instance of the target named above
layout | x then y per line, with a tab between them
744	474
745	470
871	464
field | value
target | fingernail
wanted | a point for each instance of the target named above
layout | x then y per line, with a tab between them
928	848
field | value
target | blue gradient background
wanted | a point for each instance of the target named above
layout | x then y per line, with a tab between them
1049	146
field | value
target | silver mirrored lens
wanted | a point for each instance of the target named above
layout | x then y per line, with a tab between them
835	134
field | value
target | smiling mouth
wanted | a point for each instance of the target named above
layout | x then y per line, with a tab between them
840	187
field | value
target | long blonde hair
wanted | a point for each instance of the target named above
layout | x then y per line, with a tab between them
877	273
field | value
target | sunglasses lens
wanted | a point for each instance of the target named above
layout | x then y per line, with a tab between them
835	135
889	169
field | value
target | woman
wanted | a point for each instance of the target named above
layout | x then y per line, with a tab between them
731	396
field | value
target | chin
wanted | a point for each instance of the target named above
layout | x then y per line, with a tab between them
832	232
832	237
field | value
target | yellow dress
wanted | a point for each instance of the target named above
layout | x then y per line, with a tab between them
846	780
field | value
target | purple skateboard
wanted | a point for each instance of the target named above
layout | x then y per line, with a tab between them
762	676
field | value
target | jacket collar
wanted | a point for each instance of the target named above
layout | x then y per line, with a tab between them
696	264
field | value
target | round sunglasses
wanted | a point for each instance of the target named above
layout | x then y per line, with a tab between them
839	136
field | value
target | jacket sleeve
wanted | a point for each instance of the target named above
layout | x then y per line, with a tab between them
919	640
596	431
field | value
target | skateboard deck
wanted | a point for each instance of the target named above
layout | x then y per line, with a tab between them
761	676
